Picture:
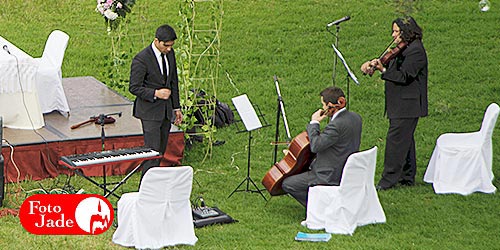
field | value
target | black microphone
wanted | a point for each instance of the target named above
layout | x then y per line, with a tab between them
336	22
6	48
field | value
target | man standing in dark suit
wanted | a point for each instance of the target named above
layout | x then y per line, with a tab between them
405	101
154	82
339	139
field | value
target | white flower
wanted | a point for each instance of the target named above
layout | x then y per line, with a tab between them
110	14
100	9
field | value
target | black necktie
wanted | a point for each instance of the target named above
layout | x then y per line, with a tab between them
164	67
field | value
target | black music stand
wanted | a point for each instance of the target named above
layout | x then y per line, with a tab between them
350	74
250	119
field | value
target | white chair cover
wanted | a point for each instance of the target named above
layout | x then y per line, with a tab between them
340	209
462	162
160	213
49	76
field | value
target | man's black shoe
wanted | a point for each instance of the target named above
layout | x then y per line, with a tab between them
407	183
380	188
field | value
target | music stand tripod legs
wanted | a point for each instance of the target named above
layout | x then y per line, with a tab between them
248	179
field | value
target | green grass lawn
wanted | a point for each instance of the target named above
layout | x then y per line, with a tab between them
262	38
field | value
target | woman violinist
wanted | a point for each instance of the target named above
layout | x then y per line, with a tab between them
340	138
405	75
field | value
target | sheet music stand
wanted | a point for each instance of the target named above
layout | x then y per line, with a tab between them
250	119
350	74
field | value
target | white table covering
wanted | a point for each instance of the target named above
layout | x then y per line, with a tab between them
19	104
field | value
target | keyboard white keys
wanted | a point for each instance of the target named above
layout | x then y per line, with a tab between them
109	156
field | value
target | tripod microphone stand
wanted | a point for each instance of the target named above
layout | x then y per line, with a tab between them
336	35
101	120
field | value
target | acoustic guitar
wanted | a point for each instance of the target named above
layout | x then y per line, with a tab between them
299	155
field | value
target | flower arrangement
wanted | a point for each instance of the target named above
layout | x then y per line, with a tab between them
113	11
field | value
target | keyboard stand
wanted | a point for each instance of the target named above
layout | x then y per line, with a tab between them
123	181
110	157
103	185
107	192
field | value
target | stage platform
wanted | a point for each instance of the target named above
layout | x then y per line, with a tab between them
36	152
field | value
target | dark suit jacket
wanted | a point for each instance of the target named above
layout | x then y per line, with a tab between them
340	138
406	83
145	78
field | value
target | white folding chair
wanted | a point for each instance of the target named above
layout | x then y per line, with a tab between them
49	75
159	214
340	209
462	162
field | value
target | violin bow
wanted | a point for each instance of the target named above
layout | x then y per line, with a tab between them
387	48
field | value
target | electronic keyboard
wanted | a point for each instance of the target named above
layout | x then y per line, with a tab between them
109	156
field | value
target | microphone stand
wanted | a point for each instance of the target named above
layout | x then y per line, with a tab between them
336	45
101	121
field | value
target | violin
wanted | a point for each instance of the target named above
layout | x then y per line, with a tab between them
388	55
94	119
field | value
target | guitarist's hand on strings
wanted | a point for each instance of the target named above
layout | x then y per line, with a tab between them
319	115
329	109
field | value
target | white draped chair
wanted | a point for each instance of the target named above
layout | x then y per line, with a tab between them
462	162
340	209
49	75
159	214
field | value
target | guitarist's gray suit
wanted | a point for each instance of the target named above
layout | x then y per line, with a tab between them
340	138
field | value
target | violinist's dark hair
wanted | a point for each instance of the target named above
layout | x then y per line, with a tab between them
332	94
410	30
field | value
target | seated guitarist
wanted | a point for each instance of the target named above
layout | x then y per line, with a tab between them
340	138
